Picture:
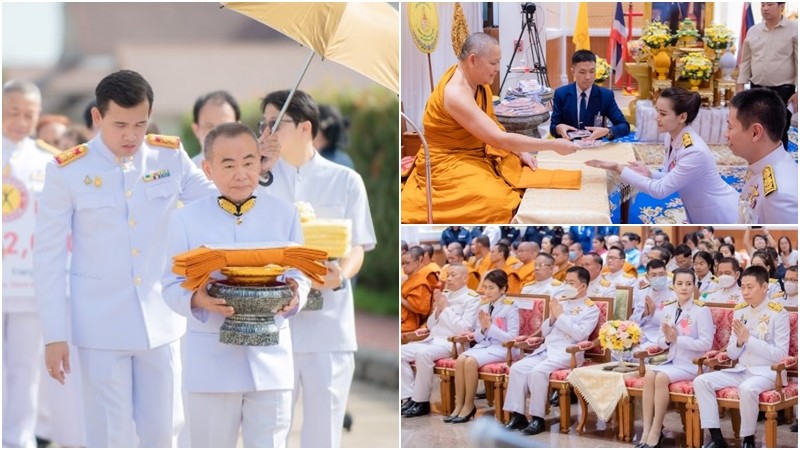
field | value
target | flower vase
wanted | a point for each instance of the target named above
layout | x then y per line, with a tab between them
727	62
662	62
695	84
622	357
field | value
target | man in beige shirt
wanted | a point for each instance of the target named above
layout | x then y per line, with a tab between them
769	58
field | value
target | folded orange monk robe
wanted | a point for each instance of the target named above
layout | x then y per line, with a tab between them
550	179
198	264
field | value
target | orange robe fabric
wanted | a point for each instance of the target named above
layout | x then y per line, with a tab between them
520	277
561	274
471	182
417	290
484	266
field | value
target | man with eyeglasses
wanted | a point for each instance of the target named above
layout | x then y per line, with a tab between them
323	341
615	261
545	284
598	286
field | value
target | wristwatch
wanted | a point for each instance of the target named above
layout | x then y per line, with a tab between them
341	286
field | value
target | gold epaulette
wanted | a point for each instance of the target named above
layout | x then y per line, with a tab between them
47	147
773	280
740	306
687	140
768	178
484	301
529	283
508	301
714	278
627	275
775	306
556	283
588	302
670	275
669	302
778	294
71	155
699	303
472	293
173	142
605	283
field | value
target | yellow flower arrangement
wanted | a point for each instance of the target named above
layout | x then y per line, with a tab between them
602	70
695	66
656	35
620	335
718	37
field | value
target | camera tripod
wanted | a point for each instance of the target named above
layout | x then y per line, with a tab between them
537	62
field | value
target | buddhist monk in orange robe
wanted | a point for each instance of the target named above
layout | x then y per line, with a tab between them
417	290
561	256
475	164
523	272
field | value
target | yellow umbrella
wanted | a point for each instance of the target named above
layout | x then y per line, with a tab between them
361	36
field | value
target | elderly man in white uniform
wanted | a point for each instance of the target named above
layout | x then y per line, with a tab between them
544	283
454	312
232	386
755	127
615	260
324	340
598	286
649	303
727	290
114	194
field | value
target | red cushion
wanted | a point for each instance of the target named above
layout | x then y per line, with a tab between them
793	333
722	318
499	368
561	374
682	387
634	382
445	363
530	320
771	396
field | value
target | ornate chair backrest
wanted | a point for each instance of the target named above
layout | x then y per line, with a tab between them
606	307
792	336
532	311
623	303
722	316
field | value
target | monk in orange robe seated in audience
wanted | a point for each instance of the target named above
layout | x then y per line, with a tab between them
475	164
481	261
561	256
523	272
417	290
455	257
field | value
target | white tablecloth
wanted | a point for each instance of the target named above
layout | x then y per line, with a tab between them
710	123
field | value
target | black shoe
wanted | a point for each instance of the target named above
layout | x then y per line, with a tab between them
42	442
793	428
481	395
716	444
448	419
660	440
348	421
419	409
535	427
407	403
748	445
554	399
639	445
469	416
517	421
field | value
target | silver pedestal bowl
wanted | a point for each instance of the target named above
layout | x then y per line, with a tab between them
253	322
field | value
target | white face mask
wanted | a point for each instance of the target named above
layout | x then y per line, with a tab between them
569	291
659	283
791	287
726	281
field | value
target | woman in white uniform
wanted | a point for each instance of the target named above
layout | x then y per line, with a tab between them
703	265
764	259
689	167
687	330
498	321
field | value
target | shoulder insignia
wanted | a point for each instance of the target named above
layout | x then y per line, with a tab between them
714	279
556	283
508	301
68	156
47	147
699	303
670	302
529	283
472	293
484	301
775	306
670	275
588	302
687	140
605	283
740	306
768	178
627	275
778	294
172	142
773	280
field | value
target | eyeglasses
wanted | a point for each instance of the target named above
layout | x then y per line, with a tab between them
263	126
613	257
541	266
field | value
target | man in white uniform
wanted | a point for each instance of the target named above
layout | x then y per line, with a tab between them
727	290
114	194
649	303
598	286
454	312
545	284
233	386
615	260
790	287
323	340
755	128
210	110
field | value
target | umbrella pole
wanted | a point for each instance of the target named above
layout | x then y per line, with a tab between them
427	166
291	93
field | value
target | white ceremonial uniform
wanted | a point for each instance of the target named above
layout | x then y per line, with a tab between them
531	373
600	287
505	327
691	171
768	344
790	300
258	379
707	283
769	194
650	325
549	287
324	340
458	317
731	294
127	337
620	278
24	165
775	292
695	330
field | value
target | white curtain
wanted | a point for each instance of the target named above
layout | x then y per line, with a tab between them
414	79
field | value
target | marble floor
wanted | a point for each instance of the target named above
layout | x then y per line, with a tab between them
430	431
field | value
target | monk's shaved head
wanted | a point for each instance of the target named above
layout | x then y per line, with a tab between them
479	44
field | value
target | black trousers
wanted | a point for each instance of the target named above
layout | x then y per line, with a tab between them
785	92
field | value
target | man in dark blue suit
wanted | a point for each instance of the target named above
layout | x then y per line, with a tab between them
583	106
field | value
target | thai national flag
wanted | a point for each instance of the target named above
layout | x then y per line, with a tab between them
747	22
618	45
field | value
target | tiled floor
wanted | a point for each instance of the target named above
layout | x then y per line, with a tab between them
430	431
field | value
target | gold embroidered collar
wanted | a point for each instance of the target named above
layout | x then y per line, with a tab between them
233	208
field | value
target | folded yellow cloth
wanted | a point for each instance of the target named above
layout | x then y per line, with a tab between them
550	179
329	235
198	264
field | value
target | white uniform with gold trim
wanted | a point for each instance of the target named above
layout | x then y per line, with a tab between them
695	335
620	278
731	294
600	287
549	287
769	194
650	325
768	343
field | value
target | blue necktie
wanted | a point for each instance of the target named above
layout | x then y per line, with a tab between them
582	113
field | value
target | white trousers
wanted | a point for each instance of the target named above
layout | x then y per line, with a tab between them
23	363
67	421
750	386
325	379
132	393
263	415
424	355
531	374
